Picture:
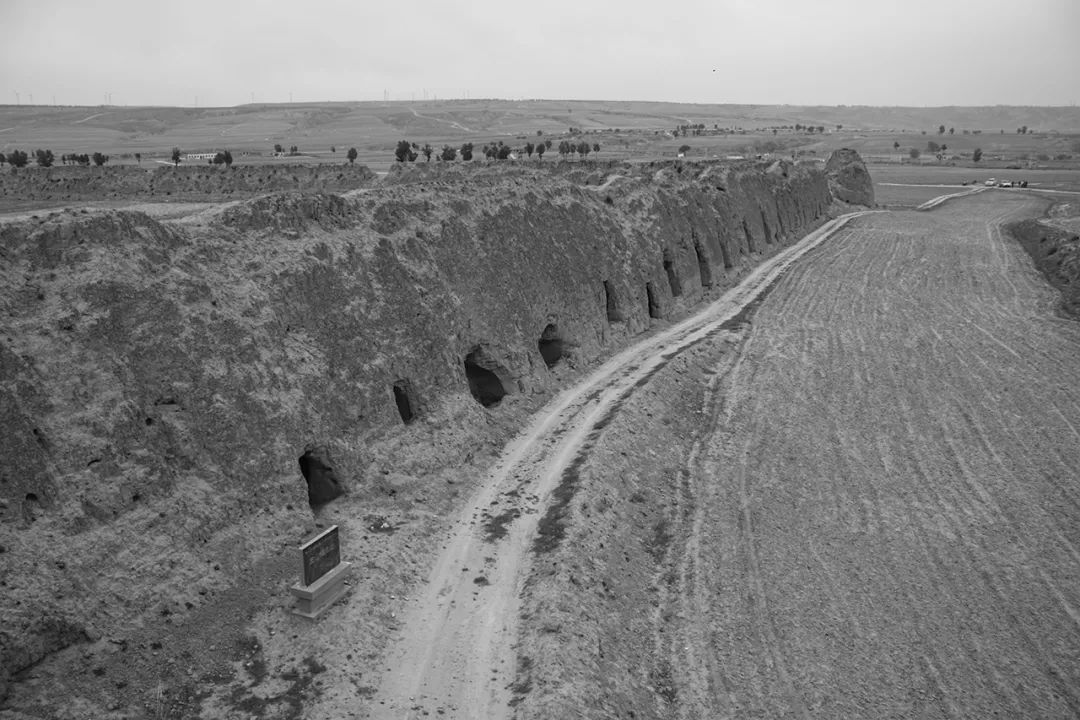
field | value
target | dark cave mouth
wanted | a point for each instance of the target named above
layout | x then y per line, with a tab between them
551	345
483	374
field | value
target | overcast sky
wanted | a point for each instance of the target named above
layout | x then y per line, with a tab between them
815	52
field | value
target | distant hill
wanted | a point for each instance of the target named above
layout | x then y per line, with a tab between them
115	130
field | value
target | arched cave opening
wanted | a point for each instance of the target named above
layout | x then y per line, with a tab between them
405	399
672	275
703	266
551	345
650	294
318	471
611	301
484	384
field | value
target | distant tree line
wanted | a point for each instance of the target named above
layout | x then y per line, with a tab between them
46	158
408	151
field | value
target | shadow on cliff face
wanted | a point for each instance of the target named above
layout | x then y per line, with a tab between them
485	376
551	345
318	471
405	399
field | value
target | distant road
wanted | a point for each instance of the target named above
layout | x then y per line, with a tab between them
89	118
457	125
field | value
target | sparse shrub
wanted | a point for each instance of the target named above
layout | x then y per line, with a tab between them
448	154
529	147
684	149
18	158
176	156
100	159
351	155
138	158
914	153
596	147
44	158
977	155
540	149
503	152
427	150
466	151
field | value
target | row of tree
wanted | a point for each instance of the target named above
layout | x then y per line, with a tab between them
407	151
46	158
939	151
1022	130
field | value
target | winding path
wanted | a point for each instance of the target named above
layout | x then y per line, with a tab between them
455	656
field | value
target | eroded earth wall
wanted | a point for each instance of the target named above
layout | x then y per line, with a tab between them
160	380
189	182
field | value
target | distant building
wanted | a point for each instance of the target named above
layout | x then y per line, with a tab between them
200	156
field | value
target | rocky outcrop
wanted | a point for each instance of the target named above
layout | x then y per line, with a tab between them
849	181
159	382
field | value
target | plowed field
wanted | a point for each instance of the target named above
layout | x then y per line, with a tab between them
890	493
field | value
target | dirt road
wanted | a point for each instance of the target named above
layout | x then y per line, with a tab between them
455	656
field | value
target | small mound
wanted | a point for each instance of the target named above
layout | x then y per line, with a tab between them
849	180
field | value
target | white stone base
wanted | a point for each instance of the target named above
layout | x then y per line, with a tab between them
313	599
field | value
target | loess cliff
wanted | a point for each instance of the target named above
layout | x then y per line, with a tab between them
161	379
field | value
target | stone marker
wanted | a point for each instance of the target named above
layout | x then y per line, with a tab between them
322	574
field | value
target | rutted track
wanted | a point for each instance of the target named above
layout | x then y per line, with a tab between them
455	656
886	505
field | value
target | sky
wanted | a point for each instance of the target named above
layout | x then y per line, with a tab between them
797	52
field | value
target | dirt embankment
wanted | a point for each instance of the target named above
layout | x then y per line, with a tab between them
161	380
31	186
849	179
1056	253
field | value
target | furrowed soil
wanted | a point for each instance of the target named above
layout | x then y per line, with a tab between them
863	504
